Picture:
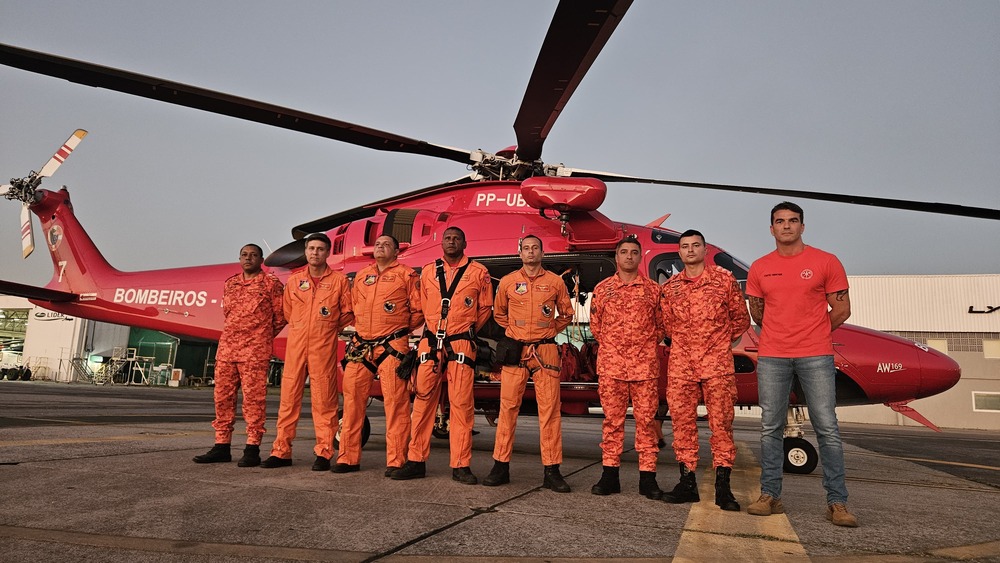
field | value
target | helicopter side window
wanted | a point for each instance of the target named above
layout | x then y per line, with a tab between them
664	266
739	269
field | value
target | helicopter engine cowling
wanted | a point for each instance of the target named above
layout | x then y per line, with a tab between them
564	194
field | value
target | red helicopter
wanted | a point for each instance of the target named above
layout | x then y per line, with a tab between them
506	196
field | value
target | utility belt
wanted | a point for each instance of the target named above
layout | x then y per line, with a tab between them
363	351
441	342
510	350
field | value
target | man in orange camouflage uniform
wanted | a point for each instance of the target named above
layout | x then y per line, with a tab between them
704	314
526	305
625	319
448	338
317	303
251	305
386	309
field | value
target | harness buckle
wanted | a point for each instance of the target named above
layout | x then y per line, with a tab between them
461	358
425	357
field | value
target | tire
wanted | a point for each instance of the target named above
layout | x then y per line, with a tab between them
366	431
800	456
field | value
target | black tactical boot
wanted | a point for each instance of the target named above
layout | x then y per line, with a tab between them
251	456
648	487
410	470
463	475
609	483
685	491
723	494
218	454
499	475
554	480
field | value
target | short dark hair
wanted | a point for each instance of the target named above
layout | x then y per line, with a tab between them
456	229
788	206
320	237
628	239
259	249
394	241
692	233
540	245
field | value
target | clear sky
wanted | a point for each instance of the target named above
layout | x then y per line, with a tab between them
893	98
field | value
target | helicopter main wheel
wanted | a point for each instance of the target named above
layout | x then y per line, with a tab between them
800	456
366	430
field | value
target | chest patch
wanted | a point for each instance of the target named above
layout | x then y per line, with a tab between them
520	288
546	311
370	279
303	284
389	306
806	274
323	311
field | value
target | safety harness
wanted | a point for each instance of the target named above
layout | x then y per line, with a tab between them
440	340
363	351
533	353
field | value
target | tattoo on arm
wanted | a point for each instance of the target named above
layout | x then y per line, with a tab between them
840	295
756	309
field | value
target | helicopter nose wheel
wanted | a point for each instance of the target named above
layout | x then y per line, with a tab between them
366	430
800	456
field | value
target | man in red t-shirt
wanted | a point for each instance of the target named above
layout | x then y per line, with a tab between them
798	296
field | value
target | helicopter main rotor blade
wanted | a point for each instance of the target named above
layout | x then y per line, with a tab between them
578	32
154	88
925	206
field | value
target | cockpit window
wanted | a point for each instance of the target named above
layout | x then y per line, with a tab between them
662	267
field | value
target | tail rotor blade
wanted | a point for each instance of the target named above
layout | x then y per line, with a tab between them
62	154
27	235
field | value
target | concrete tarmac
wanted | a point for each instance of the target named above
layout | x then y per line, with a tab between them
105	474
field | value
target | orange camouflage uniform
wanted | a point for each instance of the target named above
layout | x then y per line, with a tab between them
702	317
526	308
470	308
315	311
384	302
253	317
626	321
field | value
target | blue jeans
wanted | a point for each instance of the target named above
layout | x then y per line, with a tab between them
774	383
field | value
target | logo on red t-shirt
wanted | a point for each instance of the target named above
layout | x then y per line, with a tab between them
806	274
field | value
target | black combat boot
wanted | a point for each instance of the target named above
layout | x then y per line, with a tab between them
685	491
410	470
723	494
218	454
554	480
648	487
251	456
499	475
609	483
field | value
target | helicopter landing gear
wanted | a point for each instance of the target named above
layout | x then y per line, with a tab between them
800	456
440	429
366	430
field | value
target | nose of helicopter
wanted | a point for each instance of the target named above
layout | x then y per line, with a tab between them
938	373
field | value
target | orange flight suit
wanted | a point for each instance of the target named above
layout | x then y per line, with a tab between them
385	303
526	308
626	321
470	308
253	317
315	311
702	317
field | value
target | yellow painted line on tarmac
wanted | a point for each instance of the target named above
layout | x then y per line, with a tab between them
711	533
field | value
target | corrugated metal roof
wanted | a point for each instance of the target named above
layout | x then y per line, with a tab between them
947	303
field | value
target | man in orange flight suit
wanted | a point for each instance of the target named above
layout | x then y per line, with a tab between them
449	338
386	309
625	319
526	305
251	305
704	314
317	305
